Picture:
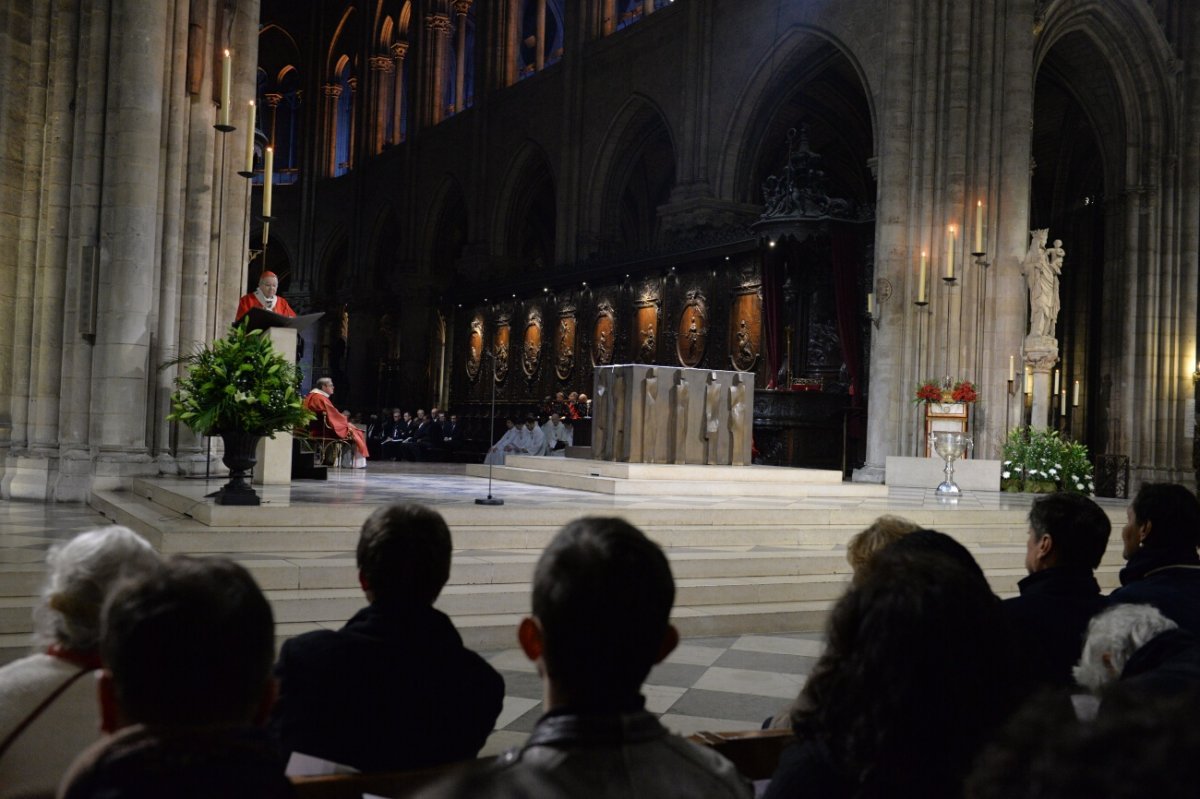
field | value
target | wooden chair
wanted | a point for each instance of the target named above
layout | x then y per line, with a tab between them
392	785
327	445
754	752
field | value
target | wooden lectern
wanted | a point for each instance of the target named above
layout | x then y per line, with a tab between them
274	465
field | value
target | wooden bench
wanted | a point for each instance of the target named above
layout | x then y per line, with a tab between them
754	752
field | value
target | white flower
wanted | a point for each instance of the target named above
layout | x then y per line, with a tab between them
1058	465
1006	474
1053	470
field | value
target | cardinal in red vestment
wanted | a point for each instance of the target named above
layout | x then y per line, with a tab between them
318	402
266	296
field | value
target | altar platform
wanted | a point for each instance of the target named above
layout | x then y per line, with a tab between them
746	560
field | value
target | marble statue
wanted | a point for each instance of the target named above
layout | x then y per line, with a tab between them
737	420
681	415
1042	268
712	416
649	426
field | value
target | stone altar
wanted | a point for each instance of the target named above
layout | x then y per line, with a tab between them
662	414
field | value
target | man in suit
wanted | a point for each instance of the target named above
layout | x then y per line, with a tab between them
395	688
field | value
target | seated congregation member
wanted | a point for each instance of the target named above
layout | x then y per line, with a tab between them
394	688
1162	566
1068	534
186	686
512	442
602	597
395	433
331	422
1134	654
863	546
535	441
915	678
452	435
556	434
48	712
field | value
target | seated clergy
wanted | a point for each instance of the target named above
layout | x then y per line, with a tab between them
534	442
395	688
186	686
330	422
602	596
507	445
557	434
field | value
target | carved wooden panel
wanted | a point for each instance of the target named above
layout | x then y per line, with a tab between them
745	330
604	335
645	334
564	358
691	337
475	348
531	347
500	348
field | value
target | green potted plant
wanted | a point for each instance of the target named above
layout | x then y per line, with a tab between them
241	389
1039	461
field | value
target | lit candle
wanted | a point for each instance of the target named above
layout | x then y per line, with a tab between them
950	253
268	174
1062	408
871	304
249	170
1012	368
921	277
979	227
1075	395
1055	381
226	84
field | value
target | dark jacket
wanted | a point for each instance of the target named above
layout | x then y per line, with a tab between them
806	769
150	763
1167	579
1164	667
1049	620
600	756
394	689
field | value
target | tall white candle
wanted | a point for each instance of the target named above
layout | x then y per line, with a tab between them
1055	381
250	140
1028	379
979	226
1075	396
921	278
1062	408
268	174
226	87
871	304
950	253
1012	368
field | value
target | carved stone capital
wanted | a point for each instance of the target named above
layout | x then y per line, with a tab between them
382	63
273	99
462	7
399	50
333	90
438	23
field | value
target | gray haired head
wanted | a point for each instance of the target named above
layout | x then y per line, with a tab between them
81	572
1112	638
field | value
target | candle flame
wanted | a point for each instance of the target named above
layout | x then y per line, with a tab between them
980	203
227	53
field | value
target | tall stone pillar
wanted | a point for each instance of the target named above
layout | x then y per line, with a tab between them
330	93
381	70
437	32
1041	354
399	50
539	53
461	9
125	294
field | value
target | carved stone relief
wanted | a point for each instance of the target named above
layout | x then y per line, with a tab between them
691	338
500	347
475	348
604	335
531	347
564	359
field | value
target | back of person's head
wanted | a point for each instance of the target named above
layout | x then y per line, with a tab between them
917	671
1147	750
404	553
602	593
1112	637
81	572
189	644
1174	515
861	548
1077	526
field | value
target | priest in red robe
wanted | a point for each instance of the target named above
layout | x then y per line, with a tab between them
266	296
336	422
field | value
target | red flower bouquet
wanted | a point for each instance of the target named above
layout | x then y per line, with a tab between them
964	391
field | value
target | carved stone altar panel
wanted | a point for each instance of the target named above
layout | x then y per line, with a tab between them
475	348
564	342
745	331
500	343
645	333
691	338
531	346
604	335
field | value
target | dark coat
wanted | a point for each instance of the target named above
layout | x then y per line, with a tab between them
1168	580
1049	620
1163	668
394	689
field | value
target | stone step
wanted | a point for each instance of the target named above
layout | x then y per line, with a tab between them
692	473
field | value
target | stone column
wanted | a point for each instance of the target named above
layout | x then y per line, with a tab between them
437	30
381	70
124	358
539	53
1041	355
331	92
399	50
461	8
352	151
272	101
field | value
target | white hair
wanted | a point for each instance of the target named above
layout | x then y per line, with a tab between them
1112	637
81	573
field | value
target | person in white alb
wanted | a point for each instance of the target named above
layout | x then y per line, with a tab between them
558	435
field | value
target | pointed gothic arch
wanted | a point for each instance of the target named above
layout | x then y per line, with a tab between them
525	225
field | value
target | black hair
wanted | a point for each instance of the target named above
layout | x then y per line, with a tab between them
1077	525
602	593
189	644
1173	513
404	553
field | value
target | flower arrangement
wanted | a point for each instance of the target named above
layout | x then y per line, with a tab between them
1039	461
945	391
238	384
